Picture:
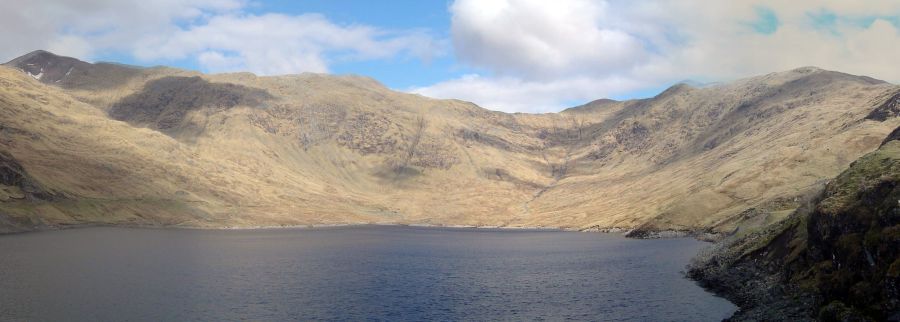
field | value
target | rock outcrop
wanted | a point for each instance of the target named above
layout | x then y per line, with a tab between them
835	260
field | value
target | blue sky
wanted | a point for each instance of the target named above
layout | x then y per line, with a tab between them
509	55
394	72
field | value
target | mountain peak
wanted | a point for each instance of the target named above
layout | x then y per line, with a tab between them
53	69
830	75
45	66
675	89
39	52
40	55
590	106
807	69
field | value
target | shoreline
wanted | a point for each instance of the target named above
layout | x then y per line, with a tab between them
48	228
624	232
353	225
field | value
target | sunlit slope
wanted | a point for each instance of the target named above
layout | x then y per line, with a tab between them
172	147
719	156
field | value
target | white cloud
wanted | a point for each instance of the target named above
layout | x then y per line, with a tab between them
218	34
82	27
550	53
215	60
511	94
532	55
280	44
537	39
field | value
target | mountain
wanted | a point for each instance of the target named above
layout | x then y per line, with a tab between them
835	259
103	143
69	72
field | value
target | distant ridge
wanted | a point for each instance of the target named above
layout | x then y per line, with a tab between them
69	72
111	144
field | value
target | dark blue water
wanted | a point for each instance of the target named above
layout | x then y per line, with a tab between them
357	273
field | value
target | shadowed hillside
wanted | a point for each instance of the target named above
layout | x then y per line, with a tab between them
163	103
836	259
162	146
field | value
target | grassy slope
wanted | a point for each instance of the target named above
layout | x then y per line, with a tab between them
323	149
836	261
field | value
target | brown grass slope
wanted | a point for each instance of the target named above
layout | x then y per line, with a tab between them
170	147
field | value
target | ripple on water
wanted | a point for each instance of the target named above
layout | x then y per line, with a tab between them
354	273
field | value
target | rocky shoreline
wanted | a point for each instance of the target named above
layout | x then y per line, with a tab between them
834	259
755	285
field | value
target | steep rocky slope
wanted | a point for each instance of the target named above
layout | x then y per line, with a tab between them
162	146
838	260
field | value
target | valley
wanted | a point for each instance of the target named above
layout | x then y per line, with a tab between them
111	144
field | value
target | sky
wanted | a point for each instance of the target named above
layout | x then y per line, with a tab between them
510	55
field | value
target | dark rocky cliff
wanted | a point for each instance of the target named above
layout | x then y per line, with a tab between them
837	259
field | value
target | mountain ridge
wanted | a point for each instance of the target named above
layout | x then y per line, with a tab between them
318	149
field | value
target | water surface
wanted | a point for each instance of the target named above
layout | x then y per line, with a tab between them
353	273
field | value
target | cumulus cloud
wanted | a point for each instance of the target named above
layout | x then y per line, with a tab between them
218	34
512	94
82	27
280	44
538	39
552	53
531	55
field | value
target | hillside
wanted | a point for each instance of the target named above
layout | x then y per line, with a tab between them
85	143
835	260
